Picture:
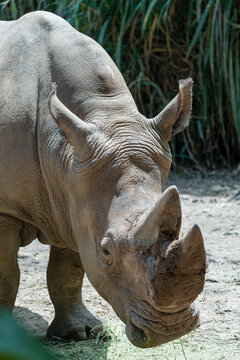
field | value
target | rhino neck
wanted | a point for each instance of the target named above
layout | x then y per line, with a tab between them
54	156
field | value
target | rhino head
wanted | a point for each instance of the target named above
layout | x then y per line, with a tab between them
126	226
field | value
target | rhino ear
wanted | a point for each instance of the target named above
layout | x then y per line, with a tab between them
74	128
175	116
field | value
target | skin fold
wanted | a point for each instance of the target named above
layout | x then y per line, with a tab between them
83	171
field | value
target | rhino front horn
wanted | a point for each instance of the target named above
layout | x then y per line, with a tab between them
162	221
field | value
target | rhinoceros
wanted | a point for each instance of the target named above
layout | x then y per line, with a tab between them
84	172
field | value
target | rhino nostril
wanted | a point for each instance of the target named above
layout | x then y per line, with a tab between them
141	334
88	331
136	335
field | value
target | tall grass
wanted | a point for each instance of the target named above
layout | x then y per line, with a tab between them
156	42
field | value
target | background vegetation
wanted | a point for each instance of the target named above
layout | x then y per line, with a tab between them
157	42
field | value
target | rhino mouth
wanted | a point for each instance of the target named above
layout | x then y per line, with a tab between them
144	333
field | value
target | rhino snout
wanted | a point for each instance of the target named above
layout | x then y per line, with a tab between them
166	327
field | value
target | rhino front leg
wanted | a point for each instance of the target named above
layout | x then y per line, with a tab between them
65	277
9	271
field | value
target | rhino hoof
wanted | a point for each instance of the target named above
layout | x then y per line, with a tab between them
73	327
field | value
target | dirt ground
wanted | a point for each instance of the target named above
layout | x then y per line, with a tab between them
214	203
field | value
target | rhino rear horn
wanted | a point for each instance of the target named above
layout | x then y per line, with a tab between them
74	128
163	219
190	252
179	278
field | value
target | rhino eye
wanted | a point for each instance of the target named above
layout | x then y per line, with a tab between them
105	251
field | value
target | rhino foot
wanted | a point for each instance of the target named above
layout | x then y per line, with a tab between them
78	325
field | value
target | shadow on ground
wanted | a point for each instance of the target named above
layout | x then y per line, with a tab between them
221	183
93	348
34	323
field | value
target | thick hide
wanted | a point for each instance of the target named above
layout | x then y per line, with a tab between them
83	171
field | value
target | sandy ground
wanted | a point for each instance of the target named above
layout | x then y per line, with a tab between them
212	202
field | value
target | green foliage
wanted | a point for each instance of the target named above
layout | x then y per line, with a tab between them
15	344
156	42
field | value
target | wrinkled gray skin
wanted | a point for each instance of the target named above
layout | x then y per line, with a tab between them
91	184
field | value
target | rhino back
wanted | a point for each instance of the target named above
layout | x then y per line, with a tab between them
35	50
